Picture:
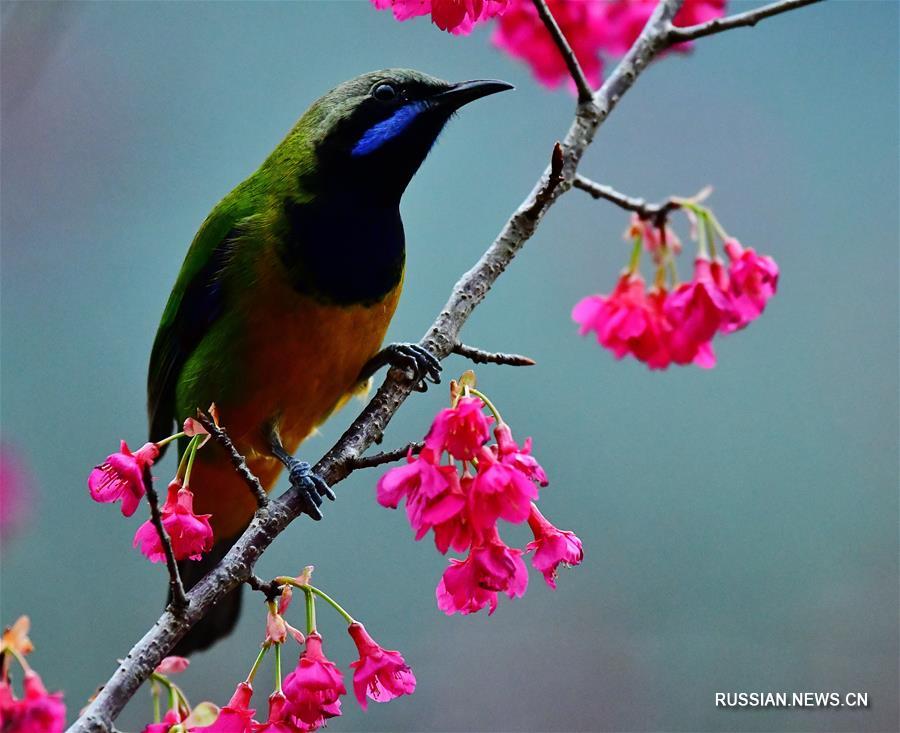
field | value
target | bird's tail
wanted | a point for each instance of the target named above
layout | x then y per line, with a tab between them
222	618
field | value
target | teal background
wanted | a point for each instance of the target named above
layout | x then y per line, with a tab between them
740	525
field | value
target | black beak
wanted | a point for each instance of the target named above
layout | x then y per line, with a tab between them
468	91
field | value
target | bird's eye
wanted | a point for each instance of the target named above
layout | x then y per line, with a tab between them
384	92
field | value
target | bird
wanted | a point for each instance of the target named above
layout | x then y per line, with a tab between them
280	308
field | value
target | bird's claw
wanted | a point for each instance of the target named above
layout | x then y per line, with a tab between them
425	367
311	485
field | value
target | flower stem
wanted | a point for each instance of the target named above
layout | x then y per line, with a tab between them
310	611
490	405
278	668
310	589
710	232
673	271
255	668
19	658
334	604
719	228
192	451
635	260
702	231
177	698
660	279
182	464
166	441
154	693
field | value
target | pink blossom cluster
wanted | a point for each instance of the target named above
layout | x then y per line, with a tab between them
458	487
37	711
593	28
661	326
454	16
121	478
309	695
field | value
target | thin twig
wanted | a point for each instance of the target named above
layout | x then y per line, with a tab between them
388	456
585	91
657	213
237	566
750	18
179	601
238	461
478	356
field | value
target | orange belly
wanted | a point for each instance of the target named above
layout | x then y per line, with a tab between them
288	361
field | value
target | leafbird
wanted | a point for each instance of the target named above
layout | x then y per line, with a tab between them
280	308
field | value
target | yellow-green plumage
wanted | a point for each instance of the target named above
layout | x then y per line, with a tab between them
289	286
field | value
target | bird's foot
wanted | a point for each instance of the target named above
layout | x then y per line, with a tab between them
423	365
311	486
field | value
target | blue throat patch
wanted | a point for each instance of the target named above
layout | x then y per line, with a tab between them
388	129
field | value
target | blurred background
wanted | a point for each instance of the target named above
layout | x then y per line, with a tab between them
740	525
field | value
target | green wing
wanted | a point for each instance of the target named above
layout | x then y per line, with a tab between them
196	302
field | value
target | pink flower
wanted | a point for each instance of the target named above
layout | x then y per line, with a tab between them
37	712
521	33
695	311
172	717
753	280
190	534
469	585
313	689
456	531
194	427
277	629
121	476
280	719
552	547
236	716
380	673
626	321
455	16
625	19
521	459
499	491
461	430
444	509
433	494
172	665
420	473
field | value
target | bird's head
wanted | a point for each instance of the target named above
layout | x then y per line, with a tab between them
376	129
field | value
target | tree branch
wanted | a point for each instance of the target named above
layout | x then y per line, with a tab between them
441	338
237	460
179	601
657	213
585	91
388	456
750	18
478	356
